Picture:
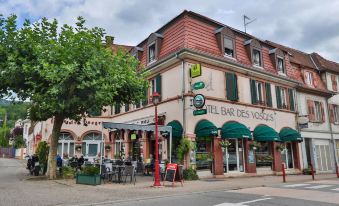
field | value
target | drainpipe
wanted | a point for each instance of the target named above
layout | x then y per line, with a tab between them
303	147
332	138
183	88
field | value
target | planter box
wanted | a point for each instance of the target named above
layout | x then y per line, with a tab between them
88	179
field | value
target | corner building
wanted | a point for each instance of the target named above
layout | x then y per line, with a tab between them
249	90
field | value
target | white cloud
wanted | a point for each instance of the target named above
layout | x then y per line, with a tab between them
302	24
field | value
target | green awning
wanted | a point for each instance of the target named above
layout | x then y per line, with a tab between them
235	130
265	133
176	129
205	128
287	134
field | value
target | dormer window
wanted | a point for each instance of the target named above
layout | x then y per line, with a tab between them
226	41
137	53
280	65
151	52
309	78
153	47
256	57
254	52
228	47
277	58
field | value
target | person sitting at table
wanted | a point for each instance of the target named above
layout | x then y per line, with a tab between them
81	161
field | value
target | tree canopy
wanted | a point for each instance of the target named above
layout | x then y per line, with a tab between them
65	71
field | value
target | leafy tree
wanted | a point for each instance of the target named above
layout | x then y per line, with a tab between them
65	73
19	142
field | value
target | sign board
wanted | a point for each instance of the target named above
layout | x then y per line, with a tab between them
198	85
199	112
251	157
133	136
199	101
195	70
302	126
173	173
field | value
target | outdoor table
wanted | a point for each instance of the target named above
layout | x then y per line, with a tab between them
120	169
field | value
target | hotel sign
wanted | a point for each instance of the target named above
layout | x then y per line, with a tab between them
195	70
241	113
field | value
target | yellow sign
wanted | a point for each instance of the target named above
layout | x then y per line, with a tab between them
195	70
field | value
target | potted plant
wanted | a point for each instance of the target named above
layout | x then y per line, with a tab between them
224	144
78	147
107	148
254	145
280	147
90	175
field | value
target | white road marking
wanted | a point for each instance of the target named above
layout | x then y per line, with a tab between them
318	186
336	189
242	203
297	185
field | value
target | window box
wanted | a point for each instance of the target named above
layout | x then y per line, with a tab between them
88	179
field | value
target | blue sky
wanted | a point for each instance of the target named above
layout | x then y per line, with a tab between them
307	25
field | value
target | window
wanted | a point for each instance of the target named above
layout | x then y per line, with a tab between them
257	92
156	85
151	53
309	78
231	87
268	94
336	114
65	145
116	108
334	82
315	111
280	65
256	57
281	95
318	112
291	98
228	47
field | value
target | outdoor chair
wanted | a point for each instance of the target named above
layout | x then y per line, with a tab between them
140	168
129	171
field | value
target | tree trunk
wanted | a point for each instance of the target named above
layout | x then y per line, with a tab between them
51	173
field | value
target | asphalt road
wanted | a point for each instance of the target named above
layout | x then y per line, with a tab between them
16	190
222	198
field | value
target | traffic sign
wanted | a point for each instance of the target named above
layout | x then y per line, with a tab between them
199	112
198	85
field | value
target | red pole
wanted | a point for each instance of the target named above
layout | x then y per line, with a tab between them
156	175
312	171
283	172
337	170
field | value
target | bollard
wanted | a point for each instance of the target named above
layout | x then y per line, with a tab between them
337	170
312	171
283	172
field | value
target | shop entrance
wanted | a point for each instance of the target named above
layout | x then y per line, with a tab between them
324	158
287	156
234	156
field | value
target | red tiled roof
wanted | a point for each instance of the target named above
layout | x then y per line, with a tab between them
115	47
296	56
324	64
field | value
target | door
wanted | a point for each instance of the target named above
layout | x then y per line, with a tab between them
323	157
234	156
287	156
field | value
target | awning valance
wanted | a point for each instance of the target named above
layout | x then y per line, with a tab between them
265	133
176	128
287	134
112	125
235	130
205	128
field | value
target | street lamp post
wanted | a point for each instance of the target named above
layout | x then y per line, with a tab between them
156	100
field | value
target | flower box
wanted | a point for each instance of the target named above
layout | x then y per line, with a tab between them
88	179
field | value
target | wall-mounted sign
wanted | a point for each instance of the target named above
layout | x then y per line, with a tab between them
195	70
198	85
242	113
199	112
133	136
199	101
